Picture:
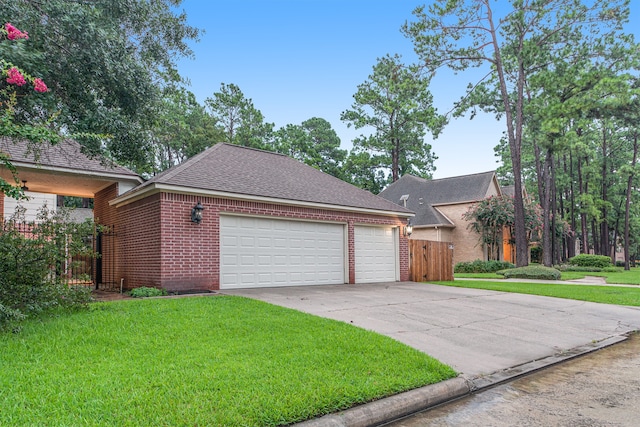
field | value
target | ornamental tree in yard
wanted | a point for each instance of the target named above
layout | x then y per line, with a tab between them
491	216
13	83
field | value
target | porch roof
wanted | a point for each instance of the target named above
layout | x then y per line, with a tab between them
62	168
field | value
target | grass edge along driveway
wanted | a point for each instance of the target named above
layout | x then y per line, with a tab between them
219	360
617	295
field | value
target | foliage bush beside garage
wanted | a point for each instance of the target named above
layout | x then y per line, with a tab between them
479	266
30	265
531	272
146	292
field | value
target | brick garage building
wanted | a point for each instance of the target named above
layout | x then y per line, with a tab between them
267	220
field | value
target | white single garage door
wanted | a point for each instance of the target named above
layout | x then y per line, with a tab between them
376	254
267	252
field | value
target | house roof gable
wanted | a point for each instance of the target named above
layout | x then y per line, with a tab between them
425	195
248	172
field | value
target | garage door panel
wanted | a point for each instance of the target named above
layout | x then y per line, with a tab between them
375	254
285	252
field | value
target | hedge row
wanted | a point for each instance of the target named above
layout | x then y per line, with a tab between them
531	272
479	266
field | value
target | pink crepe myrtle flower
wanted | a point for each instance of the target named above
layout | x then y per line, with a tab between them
13	33
39	86
15	77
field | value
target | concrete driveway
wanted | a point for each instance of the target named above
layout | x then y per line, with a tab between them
477	332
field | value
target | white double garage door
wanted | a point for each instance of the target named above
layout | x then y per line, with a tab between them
269	252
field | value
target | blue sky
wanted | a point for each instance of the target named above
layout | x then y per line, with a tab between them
298	59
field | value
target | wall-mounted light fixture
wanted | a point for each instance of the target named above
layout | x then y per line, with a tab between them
408	229
24	185
196	213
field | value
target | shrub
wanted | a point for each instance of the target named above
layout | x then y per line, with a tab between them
532	272
479	266
9	318
578	268
144	292
29	264
588	260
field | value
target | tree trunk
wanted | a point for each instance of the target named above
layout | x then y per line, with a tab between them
547	212
583	215
539	171
571	239
596	240
514	134
604	226
395	160
555	245
627	207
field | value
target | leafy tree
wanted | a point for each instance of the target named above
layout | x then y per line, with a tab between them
327	154
105	62
491	216
631	171
363	170
243	124
532	34
396	105
313	142
183	128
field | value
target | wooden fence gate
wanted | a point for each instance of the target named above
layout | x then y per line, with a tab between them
430	261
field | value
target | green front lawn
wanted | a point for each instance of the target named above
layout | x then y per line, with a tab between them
604	294
631	277
197	361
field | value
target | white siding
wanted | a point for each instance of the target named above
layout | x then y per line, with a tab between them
35	202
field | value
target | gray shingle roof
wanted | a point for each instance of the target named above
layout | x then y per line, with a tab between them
508	190
65	154
246	171
425	194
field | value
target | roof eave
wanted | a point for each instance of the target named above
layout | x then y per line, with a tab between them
434	226
154	188
94	174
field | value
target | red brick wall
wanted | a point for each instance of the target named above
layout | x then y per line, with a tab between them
106	215
175	253
139	237
1	206
103	213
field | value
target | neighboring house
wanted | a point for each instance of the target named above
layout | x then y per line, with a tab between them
439	205
267	220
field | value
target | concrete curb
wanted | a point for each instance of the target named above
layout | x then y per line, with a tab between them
404	404
394	407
